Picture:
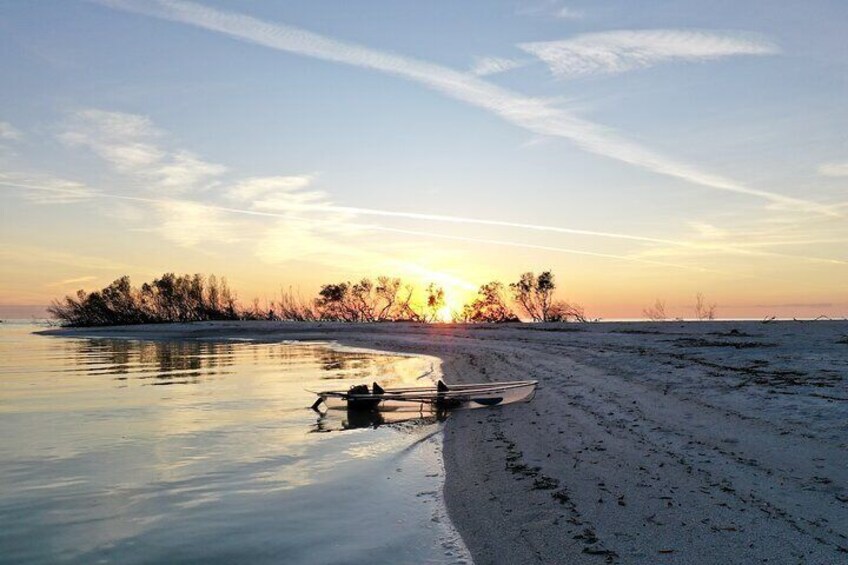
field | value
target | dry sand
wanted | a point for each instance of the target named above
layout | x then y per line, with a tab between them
713	442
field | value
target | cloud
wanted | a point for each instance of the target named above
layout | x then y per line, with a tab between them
619	51
566	13
311	212
549	8
189	223
317	230
533	114
507	243
75	280
129	143
185	171
29	254
709	231
278	194
484	66
752	241
289	193
282	193
253	188
302	239
308	225
479	221
41	189
834	169
9	133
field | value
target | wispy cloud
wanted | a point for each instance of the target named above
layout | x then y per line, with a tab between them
549	8
294	238
8	132
278	193
194	221
552	248
75	280
29	254
295	194
128	142
307	218
754	241
292	194
119	138
566	13
188	223
429	234
185	171
619	51
834	169
533	114
60	191
478	221
484	66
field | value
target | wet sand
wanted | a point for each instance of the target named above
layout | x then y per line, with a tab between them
712	442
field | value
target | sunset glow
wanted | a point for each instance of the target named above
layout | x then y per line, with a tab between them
638	155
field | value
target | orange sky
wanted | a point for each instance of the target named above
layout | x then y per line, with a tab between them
288	149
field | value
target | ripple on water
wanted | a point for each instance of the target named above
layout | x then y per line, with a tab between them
100	462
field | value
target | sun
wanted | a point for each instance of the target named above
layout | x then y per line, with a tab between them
444	314
453	304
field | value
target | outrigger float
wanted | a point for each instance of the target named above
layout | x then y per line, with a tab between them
439	397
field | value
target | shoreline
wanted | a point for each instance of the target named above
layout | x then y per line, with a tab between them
673	442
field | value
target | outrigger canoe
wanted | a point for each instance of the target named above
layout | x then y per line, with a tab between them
437	397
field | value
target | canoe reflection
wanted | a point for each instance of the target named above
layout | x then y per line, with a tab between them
344	419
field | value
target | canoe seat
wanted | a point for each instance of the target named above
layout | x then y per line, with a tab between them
358	389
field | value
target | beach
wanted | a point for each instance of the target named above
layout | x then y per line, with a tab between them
672	442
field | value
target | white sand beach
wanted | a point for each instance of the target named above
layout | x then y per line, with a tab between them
707	442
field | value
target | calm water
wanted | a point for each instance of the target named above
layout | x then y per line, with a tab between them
129	451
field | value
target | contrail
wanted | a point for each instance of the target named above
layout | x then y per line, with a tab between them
373	227
533	114
480	221
533	246
741	249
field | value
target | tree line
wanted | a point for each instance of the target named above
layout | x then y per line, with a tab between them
193	298
702	310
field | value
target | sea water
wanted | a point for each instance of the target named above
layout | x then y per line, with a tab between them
121	451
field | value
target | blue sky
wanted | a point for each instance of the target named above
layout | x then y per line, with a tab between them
702	145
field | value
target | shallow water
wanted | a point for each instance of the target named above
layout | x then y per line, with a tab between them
129	451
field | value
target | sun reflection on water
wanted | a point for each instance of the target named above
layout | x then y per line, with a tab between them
117	449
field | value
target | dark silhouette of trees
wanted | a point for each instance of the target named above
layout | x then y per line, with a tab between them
366	302
535	294
562	311
435	301
387	292
704	311
490	306
170	298
334	303
192	298
656	313
293	307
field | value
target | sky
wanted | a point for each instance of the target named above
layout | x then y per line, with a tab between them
642	151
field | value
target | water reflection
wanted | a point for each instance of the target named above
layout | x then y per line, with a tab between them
194	359
223	464
341	419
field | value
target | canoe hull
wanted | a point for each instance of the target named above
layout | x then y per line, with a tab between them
429	399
